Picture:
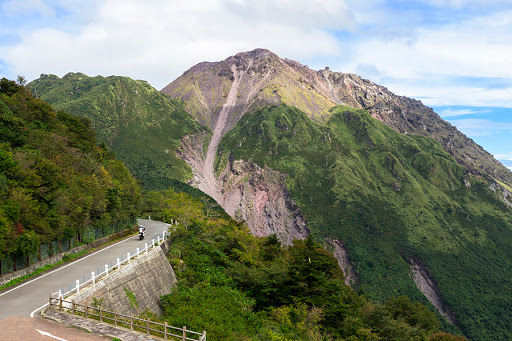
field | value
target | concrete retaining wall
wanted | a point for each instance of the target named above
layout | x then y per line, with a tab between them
135	287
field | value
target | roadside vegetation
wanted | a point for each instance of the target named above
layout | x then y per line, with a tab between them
55	181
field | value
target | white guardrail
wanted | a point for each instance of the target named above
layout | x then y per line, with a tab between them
103	272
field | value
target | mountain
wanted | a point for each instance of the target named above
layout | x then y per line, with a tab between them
140	124
259	78
407	203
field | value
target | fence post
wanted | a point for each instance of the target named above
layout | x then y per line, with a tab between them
77	286
50	303
73	306
60	293
118	264
93	279
129	257
60	246
106	269
60	303
184	333
138	252
131	321
204	336
165	331
86	311
153	242
147	326
163	235
145	247
115	318
39	256
101	315
14	265
158	239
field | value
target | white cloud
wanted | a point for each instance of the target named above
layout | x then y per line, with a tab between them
451	112
157	40
507	157
15	7
480	127
479	47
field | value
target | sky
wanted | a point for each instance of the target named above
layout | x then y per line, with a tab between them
453	55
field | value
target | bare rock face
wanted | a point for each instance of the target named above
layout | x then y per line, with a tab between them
428	287
259	196
341	254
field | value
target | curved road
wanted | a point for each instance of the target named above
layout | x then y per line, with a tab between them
32	295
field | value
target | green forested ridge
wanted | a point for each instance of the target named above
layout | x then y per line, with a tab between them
140	124
54	181
391	197
240	287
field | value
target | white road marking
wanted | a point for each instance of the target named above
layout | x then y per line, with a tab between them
50	335
41	307
65	266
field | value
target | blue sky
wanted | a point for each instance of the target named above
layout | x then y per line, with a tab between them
453	55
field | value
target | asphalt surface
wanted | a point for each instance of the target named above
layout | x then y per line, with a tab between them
30	296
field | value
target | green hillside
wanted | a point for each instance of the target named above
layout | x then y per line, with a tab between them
249	288
141	125
391	197
55	182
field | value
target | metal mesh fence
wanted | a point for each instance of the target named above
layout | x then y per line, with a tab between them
88	235
7	264
65	244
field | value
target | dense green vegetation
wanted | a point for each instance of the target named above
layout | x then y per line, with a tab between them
391	198
239	287
55	182
140	124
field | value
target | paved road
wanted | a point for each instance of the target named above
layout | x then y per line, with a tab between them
32	295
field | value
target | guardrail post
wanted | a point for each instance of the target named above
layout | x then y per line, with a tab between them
158	239
77	286
138	252
153	242
163	235
204	335
129	257
106	269
118	264
146	247
60	293
184	333
93	279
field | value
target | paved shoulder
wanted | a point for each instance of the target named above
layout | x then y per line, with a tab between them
39	329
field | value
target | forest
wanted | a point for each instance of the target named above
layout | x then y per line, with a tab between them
56	182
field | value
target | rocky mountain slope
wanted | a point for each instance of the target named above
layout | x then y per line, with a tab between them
260	78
